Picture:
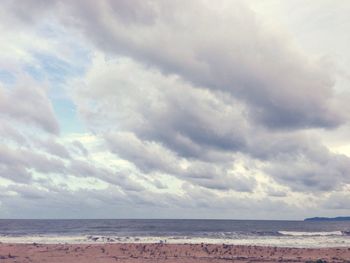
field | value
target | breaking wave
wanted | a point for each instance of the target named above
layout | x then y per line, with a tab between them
309	234
279	239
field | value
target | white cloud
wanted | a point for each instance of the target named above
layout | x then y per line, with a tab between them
27	102
196	106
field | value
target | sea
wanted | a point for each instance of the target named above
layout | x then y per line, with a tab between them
237	232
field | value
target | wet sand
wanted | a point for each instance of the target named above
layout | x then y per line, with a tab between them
168	253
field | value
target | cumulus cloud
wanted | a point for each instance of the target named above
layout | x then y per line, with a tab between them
223	47
27	103
118	178
173	127
301	161
19	163
154	106
338	200
8	132
150	156
80	147
54	148
196	106
236	54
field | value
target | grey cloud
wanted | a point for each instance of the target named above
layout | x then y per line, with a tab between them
84	169
42	163
153	157
31	201
237	55
283	88
255	68
184	118
110	203
164	122
127	13
25	13
78	145
201	198
157	183
28	103
54	148
15	173
337	200
294	160
146	155
275	192
7	132
209	123
217	176
302	162
18	163
5	193
200	92
305	173
28	191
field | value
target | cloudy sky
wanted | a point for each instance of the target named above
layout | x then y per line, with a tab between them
174	109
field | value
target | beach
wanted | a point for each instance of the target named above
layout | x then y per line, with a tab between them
168	253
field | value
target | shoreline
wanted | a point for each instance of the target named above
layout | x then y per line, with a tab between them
287	241
167	253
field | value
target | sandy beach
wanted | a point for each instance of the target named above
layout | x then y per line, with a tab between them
169	253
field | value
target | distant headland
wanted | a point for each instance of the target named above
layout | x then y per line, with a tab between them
339	218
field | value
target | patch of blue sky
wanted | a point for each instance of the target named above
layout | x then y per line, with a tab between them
69	59
51	29
56	72
53	69
67	116
7	78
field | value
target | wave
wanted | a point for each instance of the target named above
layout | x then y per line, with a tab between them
300	240
281	233
304	234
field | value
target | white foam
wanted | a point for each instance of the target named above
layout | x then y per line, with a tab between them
280	241
296	233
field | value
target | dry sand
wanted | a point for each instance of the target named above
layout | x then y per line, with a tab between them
169	253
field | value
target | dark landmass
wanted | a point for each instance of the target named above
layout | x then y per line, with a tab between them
339	218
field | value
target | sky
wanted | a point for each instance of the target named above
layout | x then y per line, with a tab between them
174	109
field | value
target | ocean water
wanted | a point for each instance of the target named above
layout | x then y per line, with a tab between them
245	232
